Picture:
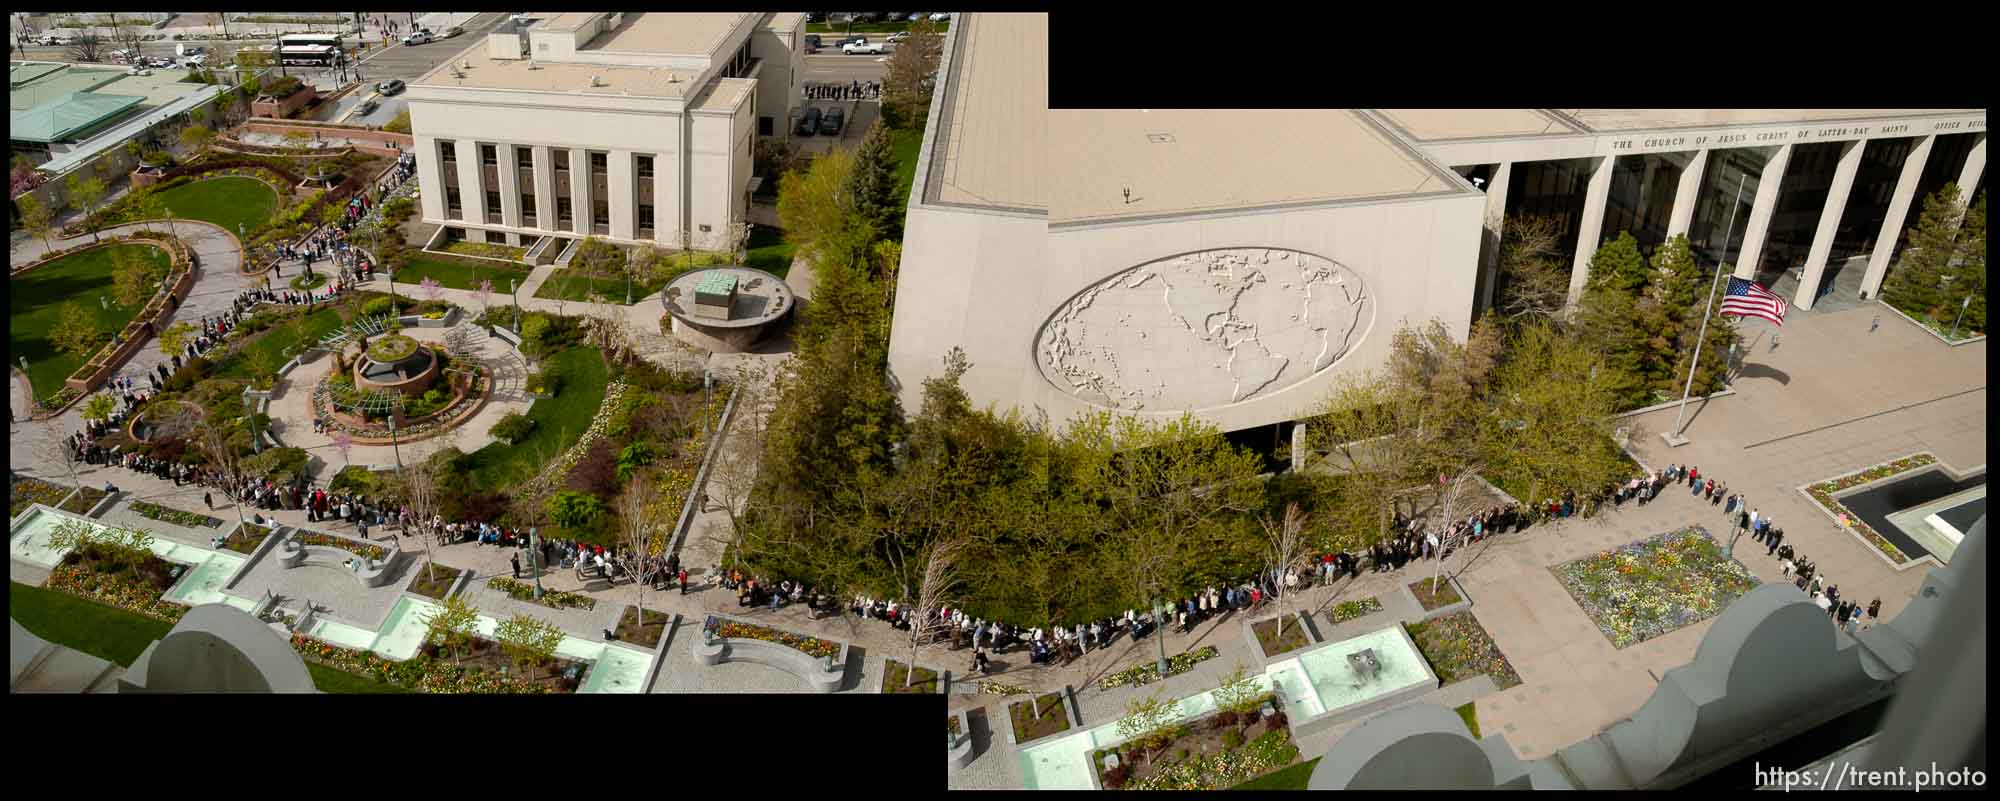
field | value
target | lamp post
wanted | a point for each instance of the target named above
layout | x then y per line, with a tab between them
1160	623
708	385
392	290
392	441
1961	316
105	303
517	305
535	559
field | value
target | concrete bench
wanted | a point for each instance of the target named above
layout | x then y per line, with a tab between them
710	651
370	573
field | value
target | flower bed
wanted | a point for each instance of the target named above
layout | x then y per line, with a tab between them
1149	671
85	499
422	674
1823	494
1458	648
1207	757
550	598
1350	610
392	348
28	491
810	646
61	398
246	538
372	552
134	589
175	516
1654	586
999	688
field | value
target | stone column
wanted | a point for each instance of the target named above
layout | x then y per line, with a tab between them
1686	194
1592	227
1892	220
1829	222
545	189
471	193
579	190
1975	164
1765	205
510	186
1489	246
619	175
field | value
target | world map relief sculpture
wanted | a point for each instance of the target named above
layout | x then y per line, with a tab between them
1205	329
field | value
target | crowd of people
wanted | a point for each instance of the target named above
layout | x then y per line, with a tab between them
852	90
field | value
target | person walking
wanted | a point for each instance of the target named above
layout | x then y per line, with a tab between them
209	500
683	576
1776	536
515	559
1874	610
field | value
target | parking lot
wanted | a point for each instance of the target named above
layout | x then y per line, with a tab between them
860	115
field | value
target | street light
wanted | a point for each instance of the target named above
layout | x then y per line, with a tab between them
1961	316
517	305
392	290
535	559
1160	623
105	303
392	441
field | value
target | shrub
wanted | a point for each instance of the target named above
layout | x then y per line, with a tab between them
280	465
572	509
633	457
377	307
546	381
597	472
1232	739
192	371
514	427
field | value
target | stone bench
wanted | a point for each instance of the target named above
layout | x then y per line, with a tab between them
371	573
710	651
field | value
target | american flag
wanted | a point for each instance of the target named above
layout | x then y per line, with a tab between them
1746	298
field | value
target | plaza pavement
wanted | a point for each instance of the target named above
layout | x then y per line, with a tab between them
1832	397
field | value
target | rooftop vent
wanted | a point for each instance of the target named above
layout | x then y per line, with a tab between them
1160	138
596	80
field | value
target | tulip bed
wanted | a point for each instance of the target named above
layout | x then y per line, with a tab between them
423	674
550	598
1654	586
1350	610
1149	671
1823	494
177	517
810	646
1458	648
28	491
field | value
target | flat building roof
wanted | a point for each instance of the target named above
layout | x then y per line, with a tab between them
675	34
1637	119
482	71
993	139
1428	124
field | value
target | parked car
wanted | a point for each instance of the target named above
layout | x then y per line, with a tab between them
50	39
941	16
898	36
914	16
812	42
418	37
809	122
829	124
863	48
194	61
368	106
453	31
389	87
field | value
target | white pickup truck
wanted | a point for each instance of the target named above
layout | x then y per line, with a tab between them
862	48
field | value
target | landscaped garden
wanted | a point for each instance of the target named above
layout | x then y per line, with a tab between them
27	491
1276	639
553	599
810	646
481	668
459	273
115	567
1823	494
896	679
1458	648
368	551
246	538
1435	594
768	250
1655	586
1247	736
154	511
1148	671
1350	610
434	580
645	633
1041	717
229	202
71	301
84	500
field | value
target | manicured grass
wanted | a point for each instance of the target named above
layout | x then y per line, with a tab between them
488	250
769	251
1292	778
1470	714
460	273
566	284
1028	726
227	202
559	422
1445	594
33	301
906	144
121	636
276	339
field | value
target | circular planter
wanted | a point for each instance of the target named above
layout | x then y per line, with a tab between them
396	364
144	433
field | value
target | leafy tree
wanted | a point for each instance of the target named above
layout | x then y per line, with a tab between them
1611	322
38	219
1532	276
149	207
528	641
1551	424
912	75
872	184
75	332
452	624
817	210
572	509
99	408
1617	264
87	193
1239	692
197	137
134	276
1151	721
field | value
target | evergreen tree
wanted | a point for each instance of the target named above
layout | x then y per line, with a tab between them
1971	268
1617	264
872	184
1609	320
1677	281
1916	284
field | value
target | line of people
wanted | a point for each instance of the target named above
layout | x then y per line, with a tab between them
852	90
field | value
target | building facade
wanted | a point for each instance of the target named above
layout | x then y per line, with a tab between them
635	127
1233	264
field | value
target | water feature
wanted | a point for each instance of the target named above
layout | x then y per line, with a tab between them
29	541
1338	686
614	668
403	630
203	584
1064	762
618	670
340	634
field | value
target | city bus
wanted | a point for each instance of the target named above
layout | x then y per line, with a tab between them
303	50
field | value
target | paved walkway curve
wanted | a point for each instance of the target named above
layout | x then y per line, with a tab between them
217	283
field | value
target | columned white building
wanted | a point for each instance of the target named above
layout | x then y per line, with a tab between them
1233	263
635	127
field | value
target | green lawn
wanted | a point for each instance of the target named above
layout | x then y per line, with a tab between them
228	202
276	339
460	273
565	284
120	636
34	298
769	251
1292	778
906	144
559	422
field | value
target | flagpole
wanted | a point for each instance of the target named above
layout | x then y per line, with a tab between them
1674	438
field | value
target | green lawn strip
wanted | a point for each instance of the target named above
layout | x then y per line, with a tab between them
768	251
33	301
120	636
1470	714
276	339
906	144
229	202
564	284
460	273
1292	778
559	422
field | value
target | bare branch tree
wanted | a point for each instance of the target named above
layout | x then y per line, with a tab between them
87	46
54	447
644	526
1284	550
1533	278
223	458
940	575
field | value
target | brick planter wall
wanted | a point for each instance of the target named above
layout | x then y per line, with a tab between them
284	107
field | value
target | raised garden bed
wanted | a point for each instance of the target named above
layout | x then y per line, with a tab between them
425	674
90	573
1148	671
1438	595
810	646
1351	610
434	581
246	538
1274	642
392	348
895	674
153	511
375	553
552	599
84	500
1213	752
29	491
1028	726
645	633
1823	492
1458	648
1654	586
